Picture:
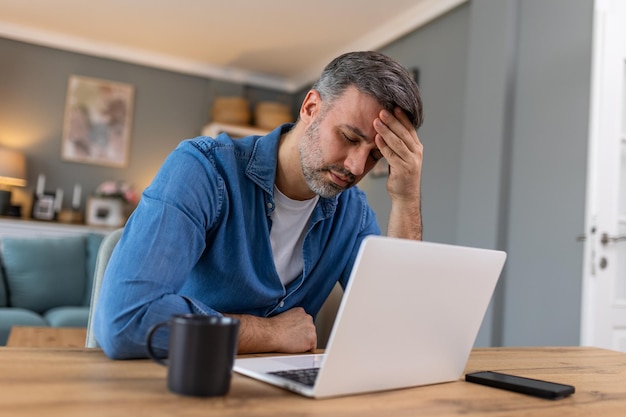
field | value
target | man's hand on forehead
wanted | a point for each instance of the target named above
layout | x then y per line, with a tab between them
398	142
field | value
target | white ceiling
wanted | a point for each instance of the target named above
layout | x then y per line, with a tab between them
280	44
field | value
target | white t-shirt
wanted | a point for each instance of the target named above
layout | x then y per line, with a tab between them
290	221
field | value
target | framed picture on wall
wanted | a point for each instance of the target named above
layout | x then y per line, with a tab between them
97	124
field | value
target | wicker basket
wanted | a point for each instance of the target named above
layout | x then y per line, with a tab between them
270	114
231	110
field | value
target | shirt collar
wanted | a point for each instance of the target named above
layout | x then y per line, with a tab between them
262	165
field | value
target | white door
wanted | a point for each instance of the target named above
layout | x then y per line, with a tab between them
604	276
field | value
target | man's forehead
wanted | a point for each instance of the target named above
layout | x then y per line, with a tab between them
356	111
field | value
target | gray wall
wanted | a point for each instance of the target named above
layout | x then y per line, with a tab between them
482	211
506	91
168	107
506	94
548	173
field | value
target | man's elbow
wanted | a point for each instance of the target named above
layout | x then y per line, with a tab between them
116	345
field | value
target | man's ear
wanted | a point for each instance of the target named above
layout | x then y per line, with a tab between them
311	106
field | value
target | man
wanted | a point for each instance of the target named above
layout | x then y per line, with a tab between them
262	228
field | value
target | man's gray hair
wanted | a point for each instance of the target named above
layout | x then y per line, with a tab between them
375	74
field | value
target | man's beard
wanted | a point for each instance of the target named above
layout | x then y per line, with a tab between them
313	168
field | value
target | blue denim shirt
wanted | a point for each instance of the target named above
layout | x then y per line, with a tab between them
199	242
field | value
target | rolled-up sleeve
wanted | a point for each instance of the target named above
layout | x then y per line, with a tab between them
160	245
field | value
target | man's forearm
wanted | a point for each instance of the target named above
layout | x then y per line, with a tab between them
254	334
405	221
290	332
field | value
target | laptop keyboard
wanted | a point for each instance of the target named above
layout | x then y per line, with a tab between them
304	376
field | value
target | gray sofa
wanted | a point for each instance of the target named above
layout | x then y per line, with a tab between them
46	281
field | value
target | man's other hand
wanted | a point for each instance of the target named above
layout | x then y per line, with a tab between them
290	332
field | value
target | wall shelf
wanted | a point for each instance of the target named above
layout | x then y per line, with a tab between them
236	131
36	228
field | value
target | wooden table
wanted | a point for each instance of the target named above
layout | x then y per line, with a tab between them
27	336
83	382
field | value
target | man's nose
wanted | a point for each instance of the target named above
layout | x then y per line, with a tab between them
356	160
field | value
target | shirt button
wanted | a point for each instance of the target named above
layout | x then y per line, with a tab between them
270	205
282	304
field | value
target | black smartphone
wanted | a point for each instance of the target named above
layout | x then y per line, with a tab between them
535	387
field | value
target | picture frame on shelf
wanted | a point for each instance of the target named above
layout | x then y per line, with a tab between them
107	212
44	206
97	123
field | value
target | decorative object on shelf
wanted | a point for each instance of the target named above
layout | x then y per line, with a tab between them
12	174
97	125
117	189
58	201
72	215
111	204
43	206
271	114
41	184
233	110
44	202
76	195
105	212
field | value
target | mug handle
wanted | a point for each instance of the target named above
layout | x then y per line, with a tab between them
151	353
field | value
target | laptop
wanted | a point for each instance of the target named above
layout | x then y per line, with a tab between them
409	316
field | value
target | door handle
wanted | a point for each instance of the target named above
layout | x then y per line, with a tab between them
605	239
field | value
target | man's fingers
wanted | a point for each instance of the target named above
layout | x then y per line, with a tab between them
398	126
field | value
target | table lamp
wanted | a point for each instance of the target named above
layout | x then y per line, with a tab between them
12	174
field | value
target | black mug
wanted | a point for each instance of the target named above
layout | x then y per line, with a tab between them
201	353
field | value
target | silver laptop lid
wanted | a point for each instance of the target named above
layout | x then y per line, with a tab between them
409	316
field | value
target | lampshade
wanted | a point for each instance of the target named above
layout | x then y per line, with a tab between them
12	168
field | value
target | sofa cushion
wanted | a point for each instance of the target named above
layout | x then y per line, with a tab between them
44	273
11	316
67	316
3	288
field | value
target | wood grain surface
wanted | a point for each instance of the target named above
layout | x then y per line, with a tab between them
84	382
